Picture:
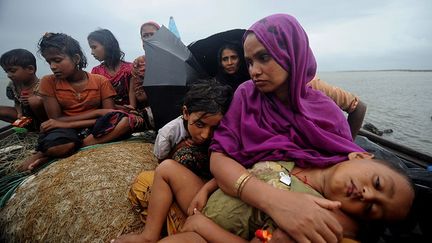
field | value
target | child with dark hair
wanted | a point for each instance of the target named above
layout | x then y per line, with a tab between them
183	143
20	66
105	48
204	100
78	104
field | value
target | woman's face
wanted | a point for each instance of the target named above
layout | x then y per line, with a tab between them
200	126
369	190
97	50
266	73
230	61
147	31
61	64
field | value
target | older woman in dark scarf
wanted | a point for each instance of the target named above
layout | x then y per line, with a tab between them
232	67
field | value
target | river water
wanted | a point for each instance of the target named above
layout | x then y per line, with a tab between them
397	100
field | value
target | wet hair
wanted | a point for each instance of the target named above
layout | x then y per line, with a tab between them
64	44
113	54
18	57
208	96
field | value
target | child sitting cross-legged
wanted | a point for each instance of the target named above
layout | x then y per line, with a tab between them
79	105
106	49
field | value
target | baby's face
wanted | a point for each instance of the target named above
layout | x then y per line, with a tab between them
369	190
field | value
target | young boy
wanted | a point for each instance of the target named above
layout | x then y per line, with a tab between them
20	66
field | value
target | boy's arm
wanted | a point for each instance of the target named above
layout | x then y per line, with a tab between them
356	117
345	100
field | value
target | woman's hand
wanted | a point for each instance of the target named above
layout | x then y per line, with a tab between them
305	217
52	124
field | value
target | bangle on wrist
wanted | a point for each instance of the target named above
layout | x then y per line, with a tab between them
239	192
241	182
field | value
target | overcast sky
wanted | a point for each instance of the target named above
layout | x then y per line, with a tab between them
344	35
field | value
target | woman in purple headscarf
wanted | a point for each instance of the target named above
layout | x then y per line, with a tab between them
276	117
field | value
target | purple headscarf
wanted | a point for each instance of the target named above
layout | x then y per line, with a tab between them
312	130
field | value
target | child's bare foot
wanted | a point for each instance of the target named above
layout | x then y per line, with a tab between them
131	238
88	141
33	161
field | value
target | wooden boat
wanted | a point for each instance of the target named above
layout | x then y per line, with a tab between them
413	156
89	203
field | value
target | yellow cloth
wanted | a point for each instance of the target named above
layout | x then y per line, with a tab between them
139	196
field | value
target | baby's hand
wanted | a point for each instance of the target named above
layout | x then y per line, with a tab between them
196	222
198	202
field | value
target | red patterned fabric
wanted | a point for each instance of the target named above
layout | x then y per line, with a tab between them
120	81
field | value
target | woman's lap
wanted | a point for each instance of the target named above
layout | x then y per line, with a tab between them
238	217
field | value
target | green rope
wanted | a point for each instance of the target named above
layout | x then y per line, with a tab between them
9	183
20	130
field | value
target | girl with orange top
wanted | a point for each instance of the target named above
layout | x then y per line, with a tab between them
79	105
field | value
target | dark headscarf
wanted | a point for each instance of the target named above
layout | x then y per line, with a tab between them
242	74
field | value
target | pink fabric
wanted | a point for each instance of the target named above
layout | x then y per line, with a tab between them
156	25
120	81
312	130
